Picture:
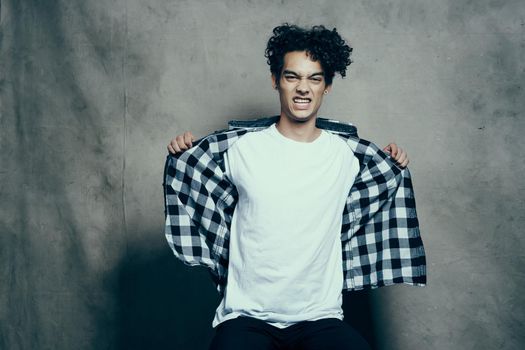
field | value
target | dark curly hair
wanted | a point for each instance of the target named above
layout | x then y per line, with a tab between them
320	44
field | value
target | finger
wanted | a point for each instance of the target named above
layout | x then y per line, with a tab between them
175	146
402	157
393	146
405	163
180	142
188	137
387	149
399	153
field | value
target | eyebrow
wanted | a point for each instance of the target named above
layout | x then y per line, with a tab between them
286	71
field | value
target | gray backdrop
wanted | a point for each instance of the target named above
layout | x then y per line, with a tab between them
91	92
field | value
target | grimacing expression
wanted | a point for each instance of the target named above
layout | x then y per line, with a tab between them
301	87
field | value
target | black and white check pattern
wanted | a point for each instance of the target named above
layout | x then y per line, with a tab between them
380	236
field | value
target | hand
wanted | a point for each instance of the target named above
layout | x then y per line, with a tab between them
181	143
399	155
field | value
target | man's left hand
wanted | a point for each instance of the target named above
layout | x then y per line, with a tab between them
399	154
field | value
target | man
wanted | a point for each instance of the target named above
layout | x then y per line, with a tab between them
289	211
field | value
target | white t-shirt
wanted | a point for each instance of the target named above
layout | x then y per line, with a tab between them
285	263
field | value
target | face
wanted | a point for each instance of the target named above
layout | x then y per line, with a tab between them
301	87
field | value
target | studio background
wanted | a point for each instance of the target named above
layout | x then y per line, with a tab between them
92	91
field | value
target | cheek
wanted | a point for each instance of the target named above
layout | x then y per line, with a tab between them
285	94
283	98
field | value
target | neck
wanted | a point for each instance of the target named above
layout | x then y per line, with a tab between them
298	130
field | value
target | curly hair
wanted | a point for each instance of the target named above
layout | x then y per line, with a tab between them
321	44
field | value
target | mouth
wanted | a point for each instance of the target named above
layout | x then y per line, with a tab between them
302	102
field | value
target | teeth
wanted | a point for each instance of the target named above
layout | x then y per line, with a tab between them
301	100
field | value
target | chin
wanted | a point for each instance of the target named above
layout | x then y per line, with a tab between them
301	117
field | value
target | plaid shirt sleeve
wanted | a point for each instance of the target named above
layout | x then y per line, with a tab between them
380	232
199	204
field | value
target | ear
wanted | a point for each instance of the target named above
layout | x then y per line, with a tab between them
328	88
274	82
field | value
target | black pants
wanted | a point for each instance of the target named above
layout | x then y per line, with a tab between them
252	334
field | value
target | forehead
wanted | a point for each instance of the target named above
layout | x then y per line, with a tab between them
300	62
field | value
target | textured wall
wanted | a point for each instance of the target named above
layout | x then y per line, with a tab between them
91	91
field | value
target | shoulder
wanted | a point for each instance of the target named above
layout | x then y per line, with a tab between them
340	142
252	138
337	126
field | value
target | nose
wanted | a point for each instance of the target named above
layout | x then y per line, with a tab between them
302	87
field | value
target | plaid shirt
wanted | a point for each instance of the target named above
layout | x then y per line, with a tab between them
380	237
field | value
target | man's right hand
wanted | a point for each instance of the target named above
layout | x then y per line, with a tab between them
181	143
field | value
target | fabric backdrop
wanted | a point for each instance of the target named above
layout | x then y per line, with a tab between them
91	92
